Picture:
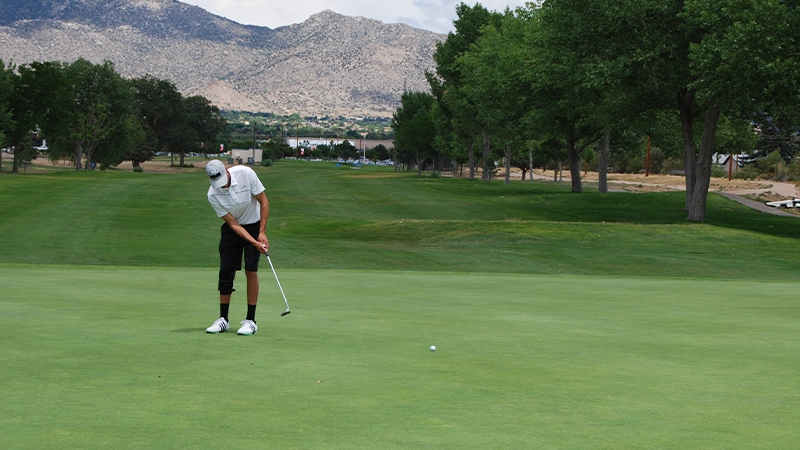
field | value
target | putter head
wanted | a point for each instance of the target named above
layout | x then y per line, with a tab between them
285	313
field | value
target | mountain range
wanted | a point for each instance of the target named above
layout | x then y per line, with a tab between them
330	64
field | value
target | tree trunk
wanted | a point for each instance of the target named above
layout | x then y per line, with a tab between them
703	173
508	166
472	158
172	158
602	171
15	165
574	164
685	104
556	168
78	154
487	173
135	163
182	155
419	166
530	163
89	151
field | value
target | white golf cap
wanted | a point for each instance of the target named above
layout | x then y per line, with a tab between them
216	173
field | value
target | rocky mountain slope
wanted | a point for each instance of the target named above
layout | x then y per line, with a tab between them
328	65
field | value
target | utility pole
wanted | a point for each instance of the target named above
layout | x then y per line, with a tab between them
254	141
730	167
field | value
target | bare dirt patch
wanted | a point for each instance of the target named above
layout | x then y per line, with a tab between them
664	183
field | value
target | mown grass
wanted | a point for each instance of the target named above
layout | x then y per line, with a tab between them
323	216
110	357
562	321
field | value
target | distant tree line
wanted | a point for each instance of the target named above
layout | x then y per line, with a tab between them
93	117
581	80
268	126
345	150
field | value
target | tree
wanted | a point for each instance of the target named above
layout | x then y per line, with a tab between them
567	97
345	150
703	58
276	149
95	116
6	119
379	152
774	136
492	80
40	100
161	107
204	123
446	83
414	129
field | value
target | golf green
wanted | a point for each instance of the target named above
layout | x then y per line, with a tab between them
109	357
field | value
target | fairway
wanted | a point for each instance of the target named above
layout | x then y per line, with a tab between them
561	321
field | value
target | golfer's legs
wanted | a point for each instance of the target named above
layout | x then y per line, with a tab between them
252	287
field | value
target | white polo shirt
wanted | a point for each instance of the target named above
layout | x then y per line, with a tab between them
239	199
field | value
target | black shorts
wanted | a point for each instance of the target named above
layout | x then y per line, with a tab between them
231	246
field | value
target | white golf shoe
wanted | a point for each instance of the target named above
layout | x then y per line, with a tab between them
249	328
220	326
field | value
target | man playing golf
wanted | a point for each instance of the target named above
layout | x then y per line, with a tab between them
237	196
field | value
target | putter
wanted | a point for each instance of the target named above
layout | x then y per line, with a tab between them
279	286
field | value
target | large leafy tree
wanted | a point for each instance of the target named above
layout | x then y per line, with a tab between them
447	86
573	99
701	58
492	81
162	112
40	99
204	123
414	127
92	115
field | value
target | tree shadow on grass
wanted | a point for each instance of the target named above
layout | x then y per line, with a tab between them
557	204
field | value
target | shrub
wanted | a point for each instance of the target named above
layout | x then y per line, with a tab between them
435	174
657	160
635	165
671	164
749	172
771	162
718	172
138	169
266	163
781	172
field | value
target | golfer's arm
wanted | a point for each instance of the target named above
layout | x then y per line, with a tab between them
238	229
262	199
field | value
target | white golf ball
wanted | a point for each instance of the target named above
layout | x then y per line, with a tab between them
433	347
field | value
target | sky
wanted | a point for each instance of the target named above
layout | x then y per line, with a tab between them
432	15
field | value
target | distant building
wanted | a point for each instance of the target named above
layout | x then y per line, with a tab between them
724	162
242	154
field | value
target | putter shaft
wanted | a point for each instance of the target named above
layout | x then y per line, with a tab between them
279	284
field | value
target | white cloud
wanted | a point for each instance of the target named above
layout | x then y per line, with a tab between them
433	15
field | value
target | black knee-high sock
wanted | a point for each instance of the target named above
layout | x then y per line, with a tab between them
223	310
251	312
